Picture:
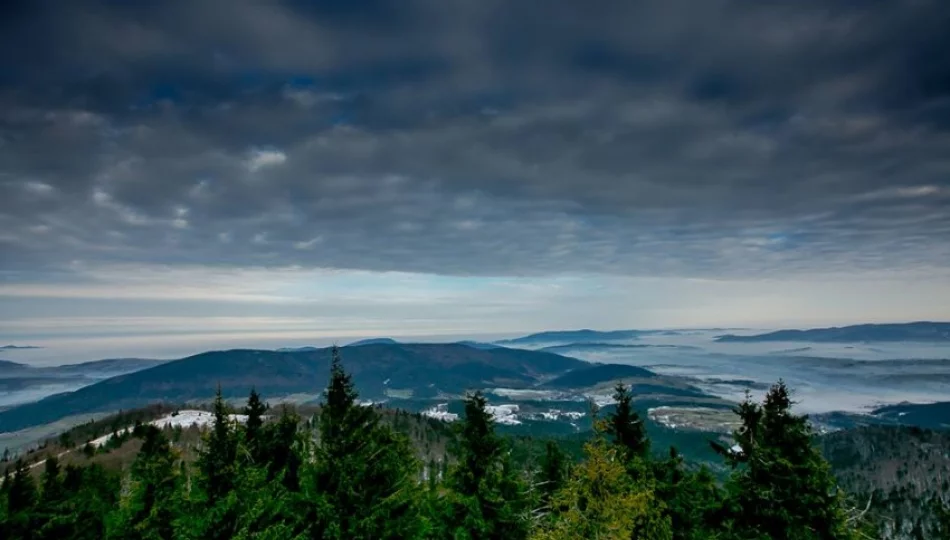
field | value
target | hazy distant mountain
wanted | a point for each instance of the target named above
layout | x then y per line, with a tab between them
417	369
479	344
7	366
297	349
597	374
573	336
930	415
590	347
113	366
17	347
373	341
916	331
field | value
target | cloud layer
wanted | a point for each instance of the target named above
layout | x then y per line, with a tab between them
726	140
720	139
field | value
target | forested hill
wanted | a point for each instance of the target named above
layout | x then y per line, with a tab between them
346	473
422	369
916	331
903	473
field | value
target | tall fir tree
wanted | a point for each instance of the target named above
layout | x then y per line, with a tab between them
217	457
148	511
281	442
625	427
487	499
50	518
364	476
254	440
692	498
781	487
21	502
552	471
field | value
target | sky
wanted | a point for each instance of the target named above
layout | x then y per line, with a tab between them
212	171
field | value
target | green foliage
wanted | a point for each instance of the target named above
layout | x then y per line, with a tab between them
781	487
348	474
216	461
486	498
148	511
552	472
254	440
625	426
362	479
693	499
601	500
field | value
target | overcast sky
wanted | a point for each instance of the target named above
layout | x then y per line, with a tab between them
423	167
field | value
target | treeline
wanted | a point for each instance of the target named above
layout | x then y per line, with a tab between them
346	474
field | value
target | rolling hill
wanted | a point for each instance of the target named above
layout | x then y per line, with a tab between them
416	369
598	374
573	336
916	331
928	415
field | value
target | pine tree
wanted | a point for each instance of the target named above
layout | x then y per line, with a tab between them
280	446
52	490
552	472
253	427
625	427
21	502
693	499
364	474
148	510
487	499
50	516
93	494
781	487
217	457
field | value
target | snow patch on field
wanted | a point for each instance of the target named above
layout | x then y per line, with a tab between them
556	414
518	393
441	412
602	400
504	414
183	419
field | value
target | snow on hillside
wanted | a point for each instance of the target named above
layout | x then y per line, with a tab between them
184	419
441	412
555	414
504	414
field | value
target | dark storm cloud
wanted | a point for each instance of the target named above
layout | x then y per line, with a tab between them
687	138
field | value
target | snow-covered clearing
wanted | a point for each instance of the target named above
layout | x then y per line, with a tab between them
184	419
441	412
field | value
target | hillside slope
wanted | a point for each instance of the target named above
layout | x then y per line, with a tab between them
590	376
901	470
422	369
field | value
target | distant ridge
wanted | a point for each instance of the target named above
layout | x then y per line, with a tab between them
596	346
590	376
479	344
575	336
417	369
18	347
373	341
6	365
916	331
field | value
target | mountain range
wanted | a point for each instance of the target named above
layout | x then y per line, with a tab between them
915	331
94	369
416	370
573	336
